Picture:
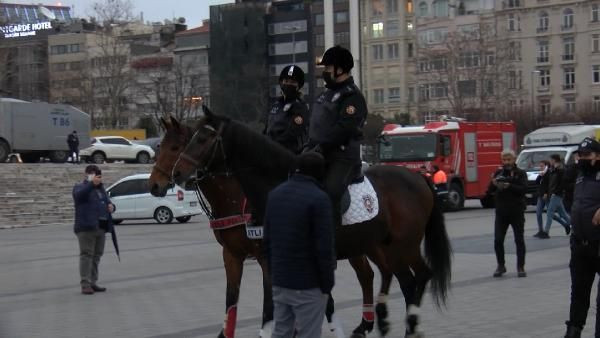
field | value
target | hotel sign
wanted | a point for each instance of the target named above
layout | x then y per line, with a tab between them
30	29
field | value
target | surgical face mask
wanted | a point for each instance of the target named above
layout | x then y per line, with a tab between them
289	91
90	177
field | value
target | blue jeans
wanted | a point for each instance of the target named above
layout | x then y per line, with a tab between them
556	206
539	210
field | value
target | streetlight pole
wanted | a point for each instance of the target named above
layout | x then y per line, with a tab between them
533	72
293	29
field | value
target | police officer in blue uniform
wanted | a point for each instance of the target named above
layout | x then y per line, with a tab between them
336	124
585	237
287	120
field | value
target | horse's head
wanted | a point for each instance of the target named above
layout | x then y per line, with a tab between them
204	149
176	138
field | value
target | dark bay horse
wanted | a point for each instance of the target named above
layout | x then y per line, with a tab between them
226	200
408	211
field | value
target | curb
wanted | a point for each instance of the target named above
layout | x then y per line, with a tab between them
8	227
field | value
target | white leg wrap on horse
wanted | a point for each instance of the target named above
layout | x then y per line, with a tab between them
267	330
413	310
382	298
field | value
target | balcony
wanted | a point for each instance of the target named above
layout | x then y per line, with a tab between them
543	89
542	30
567	28
542	60
568	88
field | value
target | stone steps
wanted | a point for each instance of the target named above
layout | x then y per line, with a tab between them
40	194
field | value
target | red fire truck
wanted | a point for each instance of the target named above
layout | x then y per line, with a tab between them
469	153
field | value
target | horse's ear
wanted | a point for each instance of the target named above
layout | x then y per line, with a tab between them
164	123
175	123
207	113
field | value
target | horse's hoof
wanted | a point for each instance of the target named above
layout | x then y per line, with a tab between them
358	335
221	335
415	335
383	327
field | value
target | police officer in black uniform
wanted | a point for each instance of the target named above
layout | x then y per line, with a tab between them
287	120
585	237
336	124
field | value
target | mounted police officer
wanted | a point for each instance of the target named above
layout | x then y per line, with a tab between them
585	237
287	120
336	124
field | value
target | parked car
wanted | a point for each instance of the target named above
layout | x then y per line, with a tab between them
153	142
132	199
111	148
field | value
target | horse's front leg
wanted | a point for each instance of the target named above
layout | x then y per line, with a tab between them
365	277
234	266
267	316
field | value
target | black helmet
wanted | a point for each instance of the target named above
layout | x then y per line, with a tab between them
293	72
338	57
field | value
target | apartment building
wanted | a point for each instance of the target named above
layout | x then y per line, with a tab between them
559	52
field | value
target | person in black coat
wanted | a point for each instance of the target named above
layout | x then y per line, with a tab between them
299	248
556	190
73	143
542	198
508	185
571	172
585	239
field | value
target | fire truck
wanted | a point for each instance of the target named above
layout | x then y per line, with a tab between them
468	152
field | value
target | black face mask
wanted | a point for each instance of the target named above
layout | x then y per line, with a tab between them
586	166
329	79
289	91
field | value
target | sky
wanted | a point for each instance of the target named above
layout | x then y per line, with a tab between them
154	10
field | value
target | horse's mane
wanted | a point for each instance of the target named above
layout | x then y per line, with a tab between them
256	150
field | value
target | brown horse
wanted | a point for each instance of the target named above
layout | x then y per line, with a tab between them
408	210
226	200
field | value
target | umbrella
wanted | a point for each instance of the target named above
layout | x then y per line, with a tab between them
113	235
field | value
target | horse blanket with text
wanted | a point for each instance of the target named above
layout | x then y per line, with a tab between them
363	203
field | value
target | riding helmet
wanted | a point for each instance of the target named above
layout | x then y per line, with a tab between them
293	72
338	56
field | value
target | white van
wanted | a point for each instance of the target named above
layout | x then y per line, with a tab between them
556	139
132	199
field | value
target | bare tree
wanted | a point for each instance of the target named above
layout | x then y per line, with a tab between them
472	72
113	11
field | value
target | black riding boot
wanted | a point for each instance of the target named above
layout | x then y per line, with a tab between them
573	332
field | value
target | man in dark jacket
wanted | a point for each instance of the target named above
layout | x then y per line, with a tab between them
585	240
73	143
287	121
542	195
93	220
300	249
337	119
556	190
571	172
508	185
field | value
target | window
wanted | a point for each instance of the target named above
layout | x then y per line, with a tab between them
319	40
544	107
378	96
377	30
567	19
319	20
411	94
438	63
569	78
595	15
543	22
116	140
488	88
394	95
59	67
595	43
596	74
377	52
569	49
512	79
433	90
440	8
341	17
544	77
377	6
393	28
514	52
423	9
409	6
543	48
514	22
126	188
570	104
513	3
341	38
284	27
59	49
467	88
410	49
74	48
75	65
392	6
433	36
468	59
596	104
393	51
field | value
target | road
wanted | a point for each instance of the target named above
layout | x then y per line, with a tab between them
171	283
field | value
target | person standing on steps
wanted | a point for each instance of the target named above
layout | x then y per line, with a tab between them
73	143
508	185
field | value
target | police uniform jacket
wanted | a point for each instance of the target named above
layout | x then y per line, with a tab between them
337	119
586	201
287	123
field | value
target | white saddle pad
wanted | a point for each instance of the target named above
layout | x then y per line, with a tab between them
364	205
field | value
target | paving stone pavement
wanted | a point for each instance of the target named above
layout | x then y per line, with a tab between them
171	283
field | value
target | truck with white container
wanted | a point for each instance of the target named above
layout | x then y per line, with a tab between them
39	130
540	144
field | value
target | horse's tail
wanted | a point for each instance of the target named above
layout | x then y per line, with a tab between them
438	250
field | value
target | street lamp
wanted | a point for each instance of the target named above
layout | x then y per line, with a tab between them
293	29
533	73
